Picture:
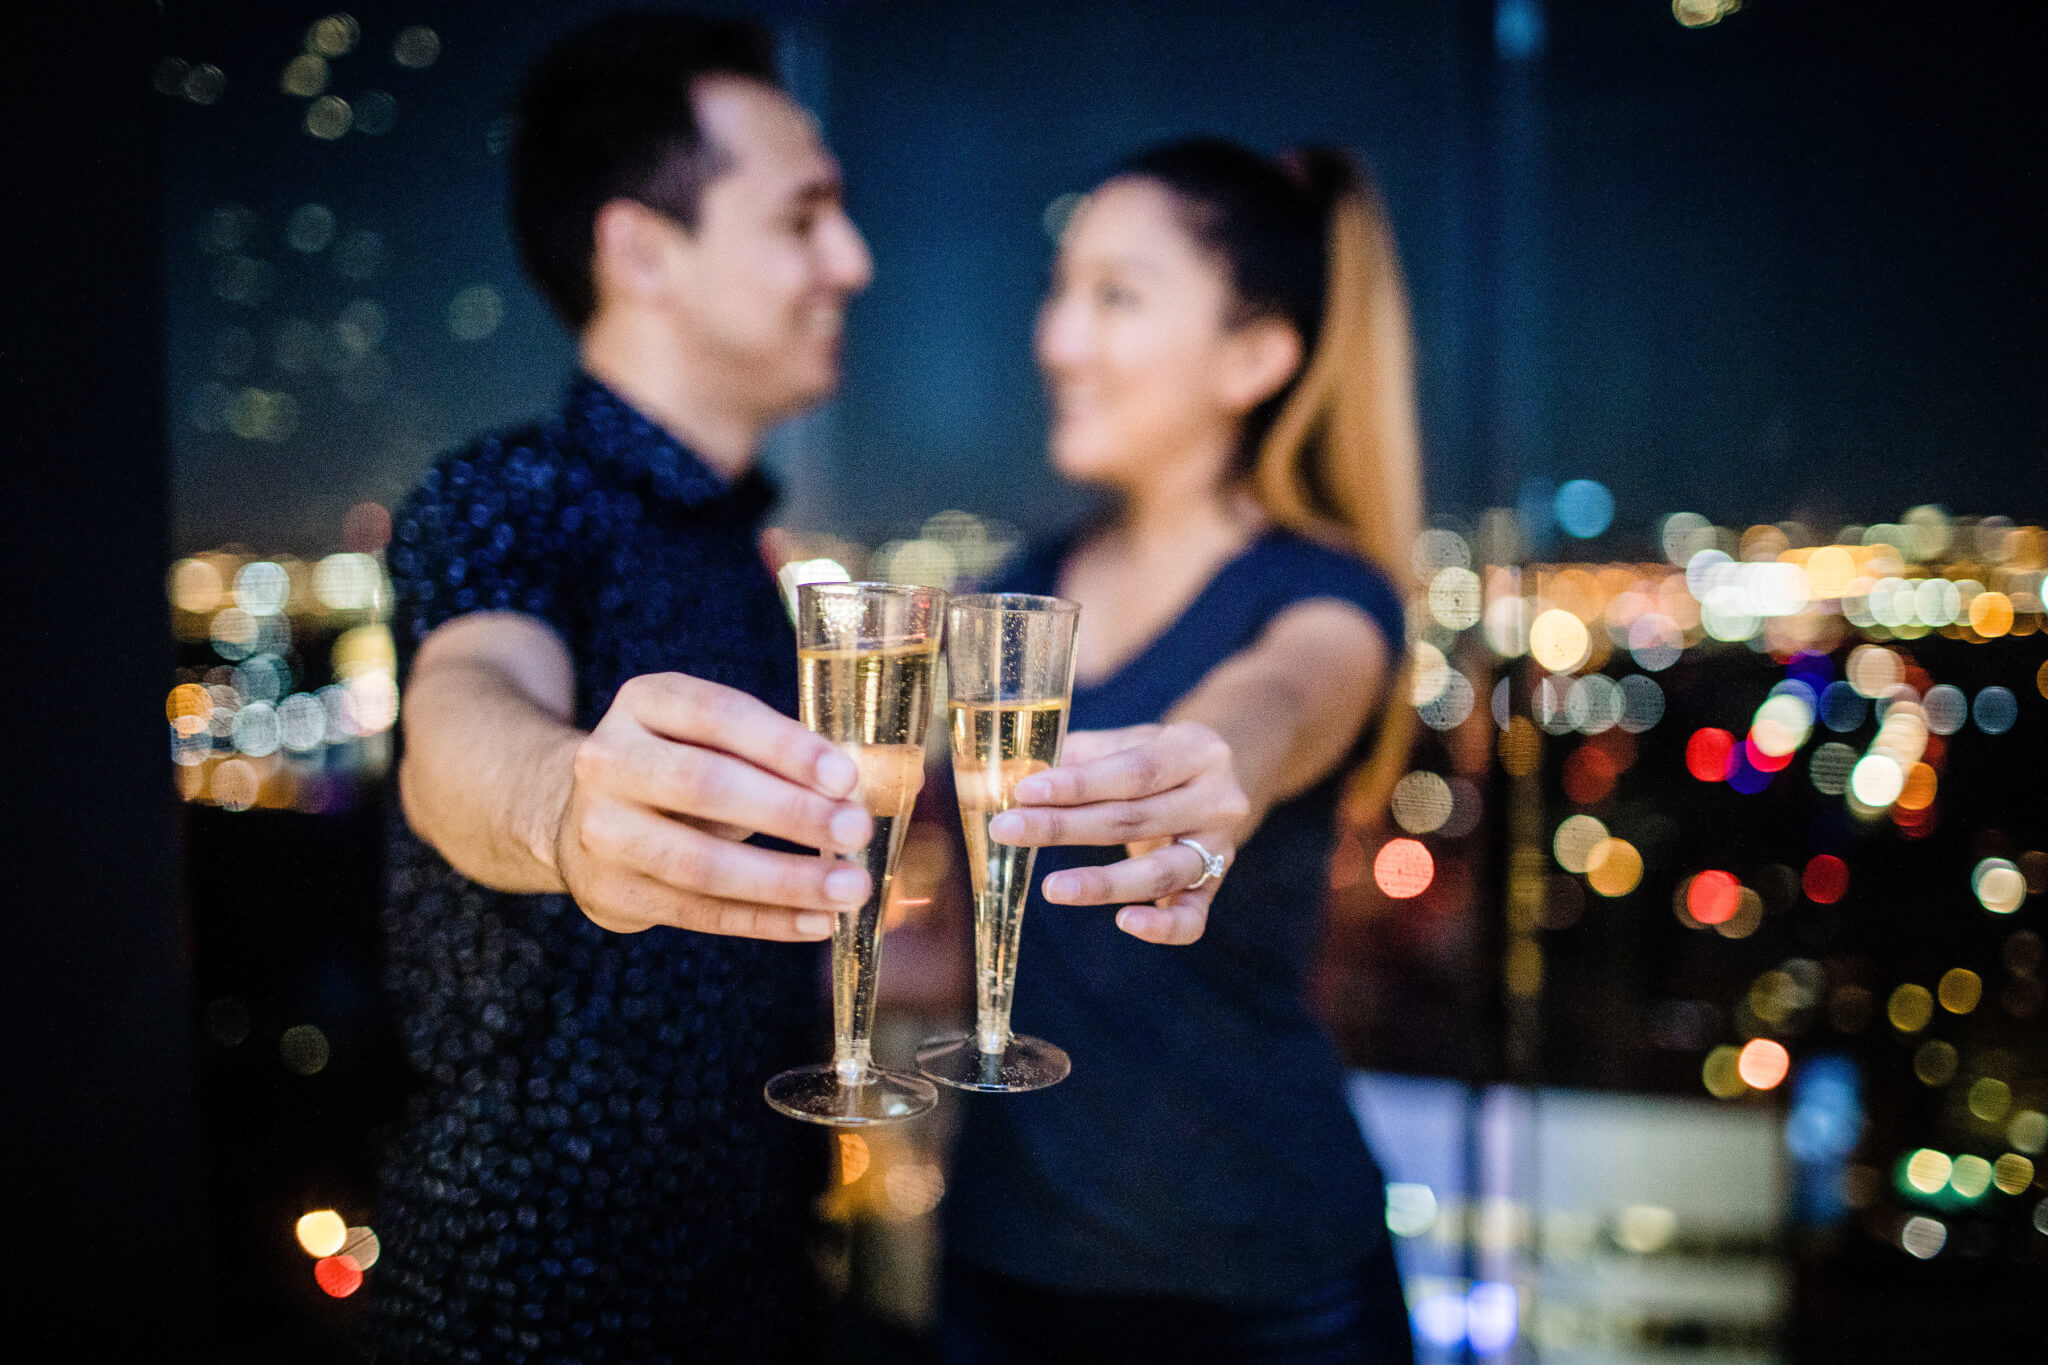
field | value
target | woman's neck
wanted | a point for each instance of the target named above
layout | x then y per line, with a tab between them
1190	511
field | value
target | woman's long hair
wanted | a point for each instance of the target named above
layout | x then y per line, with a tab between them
1336	454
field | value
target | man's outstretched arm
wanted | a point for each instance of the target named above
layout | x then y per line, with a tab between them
640	819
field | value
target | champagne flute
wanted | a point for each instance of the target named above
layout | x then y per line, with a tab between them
866	653
1010	671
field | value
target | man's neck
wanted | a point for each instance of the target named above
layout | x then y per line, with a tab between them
639	359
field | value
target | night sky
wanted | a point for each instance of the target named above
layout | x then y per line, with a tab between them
1785	265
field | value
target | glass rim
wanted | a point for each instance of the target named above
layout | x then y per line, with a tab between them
839	586
1013	602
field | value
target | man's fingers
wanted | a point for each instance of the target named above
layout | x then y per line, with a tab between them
692	861
685	780
694	711
630	903
1149	877
1158	764
1180	921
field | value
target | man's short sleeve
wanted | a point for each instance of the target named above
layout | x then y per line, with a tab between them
496	527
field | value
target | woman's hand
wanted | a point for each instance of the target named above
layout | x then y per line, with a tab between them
1143	787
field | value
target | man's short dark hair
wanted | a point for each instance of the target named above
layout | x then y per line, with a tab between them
606	113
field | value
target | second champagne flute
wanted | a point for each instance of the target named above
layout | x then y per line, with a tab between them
866	654
1010	678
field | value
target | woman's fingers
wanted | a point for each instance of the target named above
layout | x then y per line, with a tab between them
1157	764
1110	822
1085	746
1179	921
1148	877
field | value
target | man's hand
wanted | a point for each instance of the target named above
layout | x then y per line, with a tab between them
677	772
1143	787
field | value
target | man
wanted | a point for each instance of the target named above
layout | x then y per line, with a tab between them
596	970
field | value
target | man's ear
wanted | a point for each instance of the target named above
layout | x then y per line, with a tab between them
629	250
1259	359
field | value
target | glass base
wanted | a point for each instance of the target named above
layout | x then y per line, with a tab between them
815	1094
956	1059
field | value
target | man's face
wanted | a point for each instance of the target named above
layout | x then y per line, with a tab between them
761	285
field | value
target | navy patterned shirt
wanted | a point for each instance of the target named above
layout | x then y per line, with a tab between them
588	1172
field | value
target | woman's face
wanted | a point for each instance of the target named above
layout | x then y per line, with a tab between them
1139	364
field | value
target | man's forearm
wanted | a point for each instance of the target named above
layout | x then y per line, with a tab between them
486	774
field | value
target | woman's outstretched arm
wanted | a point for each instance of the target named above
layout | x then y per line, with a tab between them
1264	725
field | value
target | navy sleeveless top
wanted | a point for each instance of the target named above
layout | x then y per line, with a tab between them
1203	1145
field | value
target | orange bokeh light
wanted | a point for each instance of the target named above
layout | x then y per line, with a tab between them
1762	1063
1713	897
1403	869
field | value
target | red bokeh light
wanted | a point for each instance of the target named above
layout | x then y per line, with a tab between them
1826	879
338	1275
1713	897
1589	775
1707	752
1763	762
1403	869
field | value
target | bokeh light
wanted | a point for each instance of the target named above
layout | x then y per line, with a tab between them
1403	869
2028	1131
1927	1170
339	1276
321	1232
1421	802
1713	896
304	1049
1877	780
1614	867
1971	1177
1825	880
1574	841
1707	753
1921	1236
1762	1063
1959	990
1934	1062
1721	1073
1559	641
1910	1008
1998	885
1990	1099
1995	710
854	1157
1584	508
2012	1173
362	1247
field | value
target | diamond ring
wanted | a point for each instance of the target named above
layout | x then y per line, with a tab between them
1213	865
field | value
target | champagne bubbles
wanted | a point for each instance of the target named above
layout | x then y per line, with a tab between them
1998	886
1995	710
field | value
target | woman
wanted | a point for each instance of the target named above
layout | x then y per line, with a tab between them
1226	350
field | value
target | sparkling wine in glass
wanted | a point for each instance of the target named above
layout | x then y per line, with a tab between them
866	653
1010	671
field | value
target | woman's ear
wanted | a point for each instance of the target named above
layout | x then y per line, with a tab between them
1259	359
